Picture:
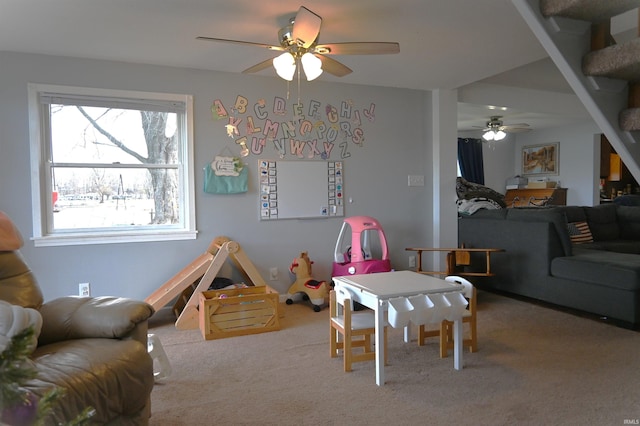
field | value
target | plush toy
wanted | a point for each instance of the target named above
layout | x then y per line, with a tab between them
313	290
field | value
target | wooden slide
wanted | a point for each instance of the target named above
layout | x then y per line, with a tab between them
178	283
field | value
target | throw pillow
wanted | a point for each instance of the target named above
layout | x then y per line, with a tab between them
603	222
579	233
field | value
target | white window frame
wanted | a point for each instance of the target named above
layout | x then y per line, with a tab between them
41	185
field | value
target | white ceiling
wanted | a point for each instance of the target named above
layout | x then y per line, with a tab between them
443	44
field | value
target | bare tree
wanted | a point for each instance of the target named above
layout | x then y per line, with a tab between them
161	149
99	184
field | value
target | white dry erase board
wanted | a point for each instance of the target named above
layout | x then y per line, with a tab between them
300	189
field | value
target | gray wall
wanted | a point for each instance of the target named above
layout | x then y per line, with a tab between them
413	134
397	144
579	159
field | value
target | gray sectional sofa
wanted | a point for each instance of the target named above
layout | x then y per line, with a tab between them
584	258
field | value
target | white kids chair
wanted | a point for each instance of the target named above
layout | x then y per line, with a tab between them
446	327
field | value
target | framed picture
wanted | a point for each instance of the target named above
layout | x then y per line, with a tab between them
540	159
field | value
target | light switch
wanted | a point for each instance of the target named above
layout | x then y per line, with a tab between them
416	180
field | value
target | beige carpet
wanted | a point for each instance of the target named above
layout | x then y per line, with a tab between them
534	366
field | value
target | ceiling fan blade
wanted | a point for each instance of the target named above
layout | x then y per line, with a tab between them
516	125
244	43
306	27
509	129
334	67
259	66
358	48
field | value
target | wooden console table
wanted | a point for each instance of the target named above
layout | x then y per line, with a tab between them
536	197
456	257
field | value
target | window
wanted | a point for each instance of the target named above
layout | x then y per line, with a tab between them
110	166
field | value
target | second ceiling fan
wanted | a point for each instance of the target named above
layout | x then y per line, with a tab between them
497	130
299	44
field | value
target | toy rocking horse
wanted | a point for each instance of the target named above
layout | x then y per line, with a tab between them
313	290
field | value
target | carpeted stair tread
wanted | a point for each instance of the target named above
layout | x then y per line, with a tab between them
587	10
621	61
630	119
615	61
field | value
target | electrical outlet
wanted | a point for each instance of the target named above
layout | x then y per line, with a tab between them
84	289
412	261
273	274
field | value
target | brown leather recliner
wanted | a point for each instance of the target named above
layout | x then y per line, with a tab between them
93	347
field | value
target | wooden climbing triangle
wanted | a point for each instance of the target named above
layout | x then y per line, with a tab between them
203	270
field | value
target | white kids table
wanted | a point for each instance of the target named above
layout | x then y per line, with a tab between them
375	290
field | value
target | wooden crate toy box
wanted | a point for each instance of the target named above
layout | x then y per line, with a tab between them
237	312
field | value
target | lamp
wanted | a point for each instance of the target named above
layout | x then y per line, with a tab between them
312	66
285	65
494	135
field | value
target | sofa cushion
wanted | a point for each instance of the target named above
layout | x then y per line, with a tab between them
95	372
10	238
629	221
606	268
74	317
622	246
603	222
574	213
617	246
18	286
553	215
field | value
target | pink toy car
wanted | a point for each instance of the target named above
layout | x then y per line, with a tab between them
358	258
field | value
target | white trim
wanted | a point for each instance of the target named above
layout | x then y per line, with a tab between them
129	102
38	180
190	219
35	136
112	238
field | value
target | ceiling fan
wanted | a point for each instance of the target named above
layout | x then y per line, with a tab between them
496	130
299	44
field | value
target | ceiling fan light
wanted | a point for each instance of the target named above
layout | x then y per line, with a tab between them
499	135
285	66
312	66
488	135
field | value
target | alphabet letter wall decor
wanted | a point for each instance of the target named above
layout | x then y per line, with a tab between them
298	130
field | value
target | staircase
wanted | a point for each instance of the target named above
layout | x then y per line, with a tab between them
604	75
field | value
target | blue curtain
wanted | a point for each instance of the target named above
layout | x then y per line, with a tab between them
470	160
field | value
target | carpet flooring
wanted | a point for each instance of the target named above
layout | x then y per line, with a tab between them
535	365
